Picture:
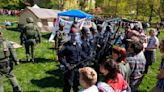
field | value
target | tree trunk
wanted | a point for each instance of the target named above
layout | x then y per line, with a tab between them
137	9
161	10
151	11
31	2
116	8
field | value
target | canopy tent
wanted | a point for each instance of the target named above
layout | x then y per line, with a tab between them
75	13
70	13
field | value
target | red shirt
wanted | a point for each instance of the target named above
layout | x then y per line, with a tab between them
118	84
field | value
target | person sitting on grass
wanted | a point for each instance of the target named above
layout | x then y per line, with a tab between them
88	79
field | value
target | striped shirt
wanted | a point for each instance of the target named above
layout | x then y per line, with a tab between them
160	83
137	65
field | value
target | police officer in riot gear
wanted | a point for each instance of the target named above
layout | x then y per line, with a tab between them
86	45
70	55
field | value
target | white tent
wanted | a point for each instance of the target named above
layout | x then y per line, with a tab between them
35	6
44	18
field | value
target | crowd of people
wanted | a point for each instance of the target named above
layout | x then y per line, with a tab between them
122	65
100	59
9	12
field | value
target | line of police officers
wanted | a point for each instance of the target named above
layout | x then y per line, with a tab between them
75	54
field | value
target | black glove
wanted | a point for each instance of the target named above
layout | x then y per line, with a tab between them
68	67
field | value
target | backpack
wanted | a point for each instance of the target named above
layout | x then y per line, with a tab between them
31	32
4	50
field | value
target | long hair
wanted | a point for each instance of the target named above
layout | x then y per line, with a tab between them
112	67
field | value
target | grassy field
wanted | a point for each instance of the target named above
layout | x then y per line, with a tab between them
44	76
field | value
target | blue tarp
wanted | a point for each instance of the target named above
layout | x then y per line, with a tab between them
75	13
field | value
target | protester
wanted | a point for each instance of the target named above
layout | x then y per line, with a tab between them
160	84
88	79
104	87
112	76
137	61
150	50
158	29
119	55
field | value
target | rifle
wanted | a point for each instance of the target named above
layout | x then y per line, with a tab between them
77	65
116	31
108	46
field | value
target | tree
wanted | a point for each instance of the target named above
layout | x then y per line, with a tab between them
161	10
71	4
90	5
9	4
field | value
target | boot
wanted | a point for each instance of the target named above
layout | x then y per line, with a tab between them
33	61
28	57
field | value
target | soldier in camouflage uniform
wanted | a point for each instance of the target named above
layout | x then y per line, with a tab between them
8	54
30	36
59	39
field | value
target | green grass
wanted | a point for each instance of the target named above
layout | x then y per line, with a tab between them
42	76
45	76
150	80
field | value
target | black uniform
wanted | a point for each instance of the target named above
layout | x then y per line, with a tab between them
86	47
69	56
99	41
